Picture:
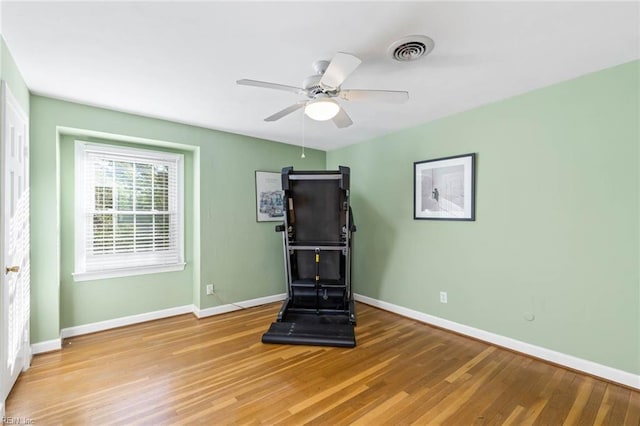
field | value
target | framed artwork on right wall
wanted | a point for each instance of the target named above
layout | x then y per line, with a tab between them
444	188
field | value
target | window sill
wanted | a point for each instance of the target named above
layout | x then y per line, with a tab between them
126	272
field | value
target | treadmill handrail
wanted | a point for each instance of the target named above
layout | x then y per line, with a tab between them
315	177
294	247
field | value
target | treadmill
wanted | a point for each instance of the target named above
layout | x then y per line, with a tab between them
317	236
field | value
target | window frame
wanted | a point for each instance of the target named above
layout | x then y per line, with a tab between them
82	148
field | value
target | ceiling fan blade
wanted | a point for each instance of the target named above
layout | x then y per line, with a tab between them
288	110
257	83
390	96
340	67
342	119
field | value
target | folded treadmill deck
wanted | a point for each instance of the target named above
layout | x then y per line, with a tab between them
312	329
317	233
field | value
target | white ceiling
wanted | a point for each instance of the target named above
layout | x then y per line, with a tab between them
180	61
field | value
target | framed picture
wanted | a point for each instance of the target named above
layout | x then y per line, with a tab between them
444	188
269	197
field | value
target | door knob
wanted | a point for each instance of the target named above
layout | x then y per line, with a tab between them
11	269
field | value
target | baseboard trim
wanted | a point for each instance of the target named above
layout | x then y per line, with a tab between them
123	321
46	346
569	361
230	307
56	344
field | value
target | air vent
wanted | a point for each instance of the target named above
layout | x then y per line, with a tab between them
411	48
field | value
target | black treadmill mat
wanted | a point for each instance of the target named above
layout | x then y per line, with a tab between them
311	333
310	318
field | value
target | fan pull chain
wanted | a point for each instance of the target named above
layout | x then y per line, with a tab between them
302	156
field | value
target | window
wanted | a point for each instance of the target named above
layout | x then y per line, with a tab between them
129	216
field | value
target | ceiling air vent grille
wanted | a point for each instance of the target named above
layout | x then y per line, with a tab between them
411	48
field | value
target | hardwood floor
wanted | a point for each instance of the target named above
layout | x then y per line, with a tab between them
182	370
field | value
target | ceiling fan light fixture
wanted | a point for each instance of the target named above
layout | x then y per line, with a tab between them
322	108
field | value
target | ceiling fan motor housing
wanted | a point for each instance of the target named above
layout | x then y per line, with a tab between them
312	86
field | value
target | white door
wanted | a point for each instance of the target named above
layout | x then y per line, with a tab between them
14	242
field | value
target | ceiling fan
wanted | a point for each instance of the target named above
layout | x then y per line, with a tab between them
321	89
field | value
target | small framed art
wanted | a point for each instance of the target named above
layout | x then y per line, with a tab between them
269	195
444	188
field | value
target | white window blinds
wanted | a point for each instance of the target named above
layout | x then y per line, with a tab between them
128	211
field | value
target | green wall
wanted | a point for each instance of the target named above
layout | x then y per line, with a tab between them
10	73
91	301
241	257
557	219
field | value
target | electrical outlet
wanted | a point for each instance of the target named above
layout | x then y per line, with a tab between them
443	297
209	289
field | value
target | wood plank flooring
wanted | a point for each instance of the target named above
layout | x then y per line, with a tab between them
215	371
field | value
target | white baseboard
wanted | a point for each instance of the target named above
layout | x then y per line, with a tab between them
586	366
120	322
223	309
46	346
56	344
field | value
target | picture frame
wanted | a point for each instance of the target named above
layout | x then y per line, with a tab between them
269	197
444	188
